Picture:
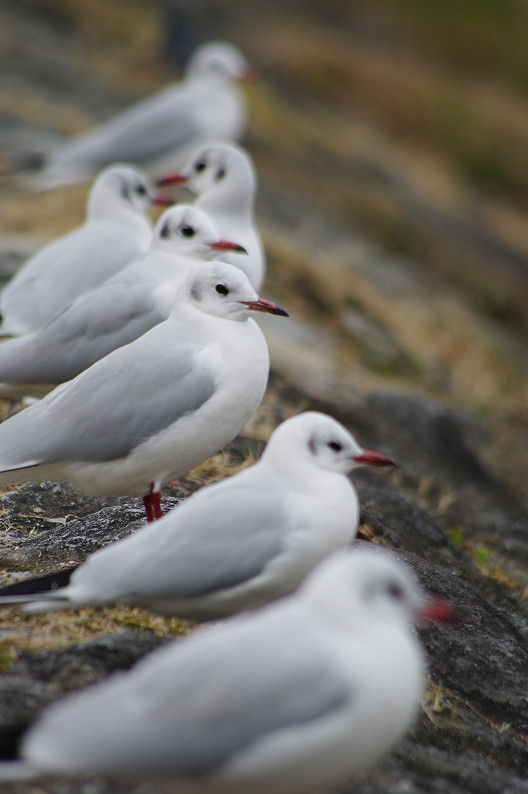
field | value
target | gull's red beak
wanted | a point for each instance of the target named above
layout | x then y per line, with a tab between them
163	200
439	611
371	458
248	75
262	305
227	245
172	179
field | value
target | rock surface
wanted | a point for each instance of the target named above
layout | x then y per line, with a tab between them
405	269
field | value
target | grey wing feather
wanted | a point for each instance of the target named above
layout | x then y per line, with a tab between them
110	408
66	268
141	132
219	538
173	717
90	328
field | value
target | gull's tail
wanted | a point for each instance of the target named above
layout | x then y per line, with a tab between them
39	594
17	770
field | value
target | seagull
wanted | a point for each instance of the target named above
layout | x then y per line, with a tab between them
239	543
223	178
300	695
152	410
160	132
116	231
118	311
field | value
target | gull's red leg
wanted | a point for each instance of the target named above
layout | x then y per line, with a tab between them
152	502
147	501
156	503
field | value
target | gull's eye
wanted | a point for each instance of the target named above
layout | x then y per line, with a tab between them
141	190
395	591
199	167
335	446
187	231
222	289
220	174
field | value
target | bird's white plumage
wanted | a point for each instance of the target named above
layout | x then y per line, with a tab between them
160	131
116	231
114	314
299	695
236	544
223	177
151	410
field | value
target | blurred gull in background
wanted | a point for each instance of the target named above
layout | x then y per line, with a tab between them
154	409
159	132
223	178
299	695
236	544
120	310
116	231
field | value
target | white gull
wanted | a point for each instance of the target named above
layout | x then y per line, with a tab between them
300	695
116	231
239	543
223	177
118	311
154	409
159	132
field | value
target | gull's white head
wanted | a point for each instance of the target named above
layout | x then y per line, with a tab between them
184	230
224	291
223	170
372	585
218	60
120	188
315	439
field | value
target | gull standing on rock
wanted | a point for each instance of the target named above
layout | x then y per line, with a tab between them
239	543
116	231
161	131
223	178
298	696
123	308
152	410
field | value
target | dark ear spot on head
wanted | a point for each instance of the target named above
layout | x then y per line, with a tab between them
395	591
312	446
216	64
165	231
195	292
220	174
125	192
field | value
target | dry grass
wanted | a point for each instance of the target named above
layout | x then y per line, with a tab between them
56	629
444	708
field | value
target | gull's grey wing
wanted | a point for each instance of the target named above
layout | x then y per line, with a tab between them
220	537
64	269
110	408
139	133
91	327
189	709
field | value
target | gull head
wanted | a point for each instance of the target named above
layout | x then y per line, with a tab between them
218	60
315	439
187	231
120	188
224	291
220	168
375	586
